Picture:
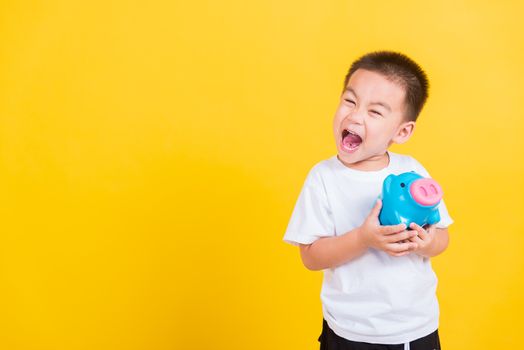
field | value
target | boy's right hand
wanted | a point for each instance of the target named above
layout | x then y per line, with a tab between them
392	239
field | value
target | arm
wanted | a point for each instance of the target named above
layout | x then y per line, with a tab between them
332	251
329	252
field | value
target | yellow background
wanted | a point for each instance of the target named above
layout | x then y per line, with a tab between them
152	153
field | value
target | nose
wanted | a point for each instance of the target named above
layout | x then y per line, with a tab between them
355	116
426	191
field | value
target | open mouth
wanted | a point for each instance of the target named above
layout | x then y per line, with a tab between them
350	141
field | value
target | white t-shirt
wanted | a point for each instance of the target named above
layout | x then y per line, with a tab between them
374	298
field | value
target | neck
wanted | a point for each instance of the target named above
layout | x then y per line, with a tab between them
374	163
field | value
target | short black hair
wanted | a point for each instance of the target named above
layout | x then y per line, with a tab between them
401	69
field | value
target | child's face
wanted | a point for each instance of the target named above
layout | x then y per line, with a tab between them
372	108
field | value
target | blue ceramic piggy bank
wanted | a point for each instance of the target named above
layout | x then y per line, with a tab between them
409	197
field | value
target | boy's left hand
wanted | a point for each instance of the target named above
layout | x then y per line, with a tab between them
424	239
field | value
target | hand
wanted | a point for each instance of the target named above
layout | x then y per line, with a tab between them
392	239
424	238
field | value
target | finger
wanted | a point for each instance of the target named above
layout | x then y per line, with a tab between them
417	228
421	233
400	254
400	237
401	247
391	229
416	239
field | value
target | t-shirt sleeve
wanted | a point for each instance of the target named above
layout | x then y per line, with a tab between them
445	219
312	217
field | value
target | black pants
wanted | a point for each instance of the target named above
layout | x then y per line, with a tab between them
331	341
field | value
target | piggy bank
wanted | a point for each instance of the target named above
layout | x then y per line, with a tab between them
409	197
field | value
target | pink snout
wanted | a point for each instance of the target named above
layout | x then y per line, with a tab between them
426	191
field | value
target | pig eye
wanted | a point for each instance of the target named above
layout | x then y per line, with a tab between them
402	184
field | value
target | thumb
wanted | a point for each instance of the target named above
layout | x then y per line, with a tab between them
376	209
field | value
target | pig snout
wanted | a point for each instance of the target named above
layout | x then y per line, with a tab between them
426	191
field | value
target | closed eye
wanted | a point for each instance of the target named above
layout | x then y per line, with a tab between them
375	112
350	101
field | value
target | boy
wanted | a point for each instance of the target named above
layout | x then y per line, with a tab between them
378	290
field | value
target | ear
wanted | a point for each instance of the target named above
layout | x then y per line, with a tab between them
404	132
